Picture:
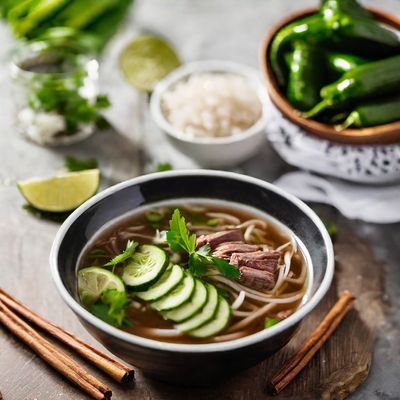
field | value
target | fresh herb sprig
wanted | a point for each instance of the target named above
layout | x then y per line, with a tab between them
124	256
180	240
73	164
111	308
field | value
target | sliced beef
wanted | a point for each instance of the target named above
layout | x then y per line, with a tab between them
226	250
263	260
214	239
256	278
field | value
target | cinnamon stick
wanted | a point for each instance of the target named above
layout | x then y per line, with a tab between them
317	338
116	369
54	356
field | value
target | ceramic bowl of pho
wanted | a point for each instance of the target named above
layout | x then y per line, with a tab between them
213	111
192	275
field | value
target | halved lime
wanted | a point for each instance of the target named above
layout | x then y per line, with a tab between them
61	193
146	60
93	281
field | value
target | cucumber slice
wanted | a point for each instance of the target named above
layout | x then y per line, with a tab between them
205	314
188	309
171	278
93	281
217	324
147	265
176	297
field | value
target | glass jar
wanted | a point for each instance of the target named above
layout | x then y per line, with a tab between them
56	91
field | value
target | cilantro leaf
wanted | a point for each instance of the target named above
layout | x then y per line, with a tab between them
226	269
125	255
178	236
73	164
162	167
198	265
204	250
179	239
222	292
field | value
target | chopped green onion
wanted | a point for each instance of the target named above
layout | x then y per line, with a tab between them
212	222
155	216
270	322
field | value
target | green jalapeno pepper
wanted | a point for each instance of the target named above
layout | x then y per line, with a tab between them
305	77
373	113
365	81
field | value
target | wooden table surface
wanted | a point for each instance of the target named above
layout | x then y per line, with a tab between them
227	29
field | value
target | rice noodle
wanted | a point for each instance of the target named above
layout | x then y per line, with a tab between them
225	217
237	313
172	333
259	296
239	300
248	232
130	235
134	228
230	336
254	221
248	320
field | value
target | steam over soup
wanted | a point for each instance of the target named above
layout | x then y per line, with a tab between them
193	272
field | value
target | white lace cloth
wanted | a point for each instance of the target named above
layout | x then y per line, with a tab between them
366	165
378	204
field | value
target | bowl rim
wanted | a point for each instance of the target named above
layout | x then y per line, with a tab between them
376	135
129	338
249	73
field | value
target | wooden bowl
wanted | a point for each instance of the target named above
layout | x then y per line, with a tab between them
382	134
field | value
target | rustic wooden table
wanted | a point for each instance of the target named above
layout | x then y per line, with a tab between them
203	29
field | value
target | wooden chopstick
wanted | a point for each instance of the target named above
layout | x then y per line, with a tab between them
116	369
317	338
53	356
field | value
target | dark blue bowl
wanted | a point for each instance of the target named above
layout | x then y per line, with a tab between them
192	363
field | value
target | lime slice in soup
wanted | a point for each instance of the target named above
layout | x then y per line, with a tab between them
93	281
146	60
61	193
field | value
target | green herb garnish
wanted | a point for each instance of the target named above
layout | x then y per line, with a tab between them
270	322
111	308
161	167
200	260
212	222
97	253
154	215
62	96
124	256
331	228
73	164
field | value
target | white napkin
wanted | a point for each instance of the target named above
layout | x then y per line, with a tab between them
378	204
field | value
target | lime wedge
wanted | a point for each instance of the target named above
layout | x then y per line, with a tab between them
146	60
61	193
93	281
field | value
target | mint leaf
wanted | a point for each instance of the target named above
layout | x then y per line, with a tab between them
125	255
73	164
226	269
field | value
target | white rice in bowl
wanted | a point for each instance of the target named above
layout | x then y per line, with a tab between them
212	105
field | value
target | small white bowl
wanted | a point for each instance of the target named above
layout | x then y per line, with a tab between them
220	151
